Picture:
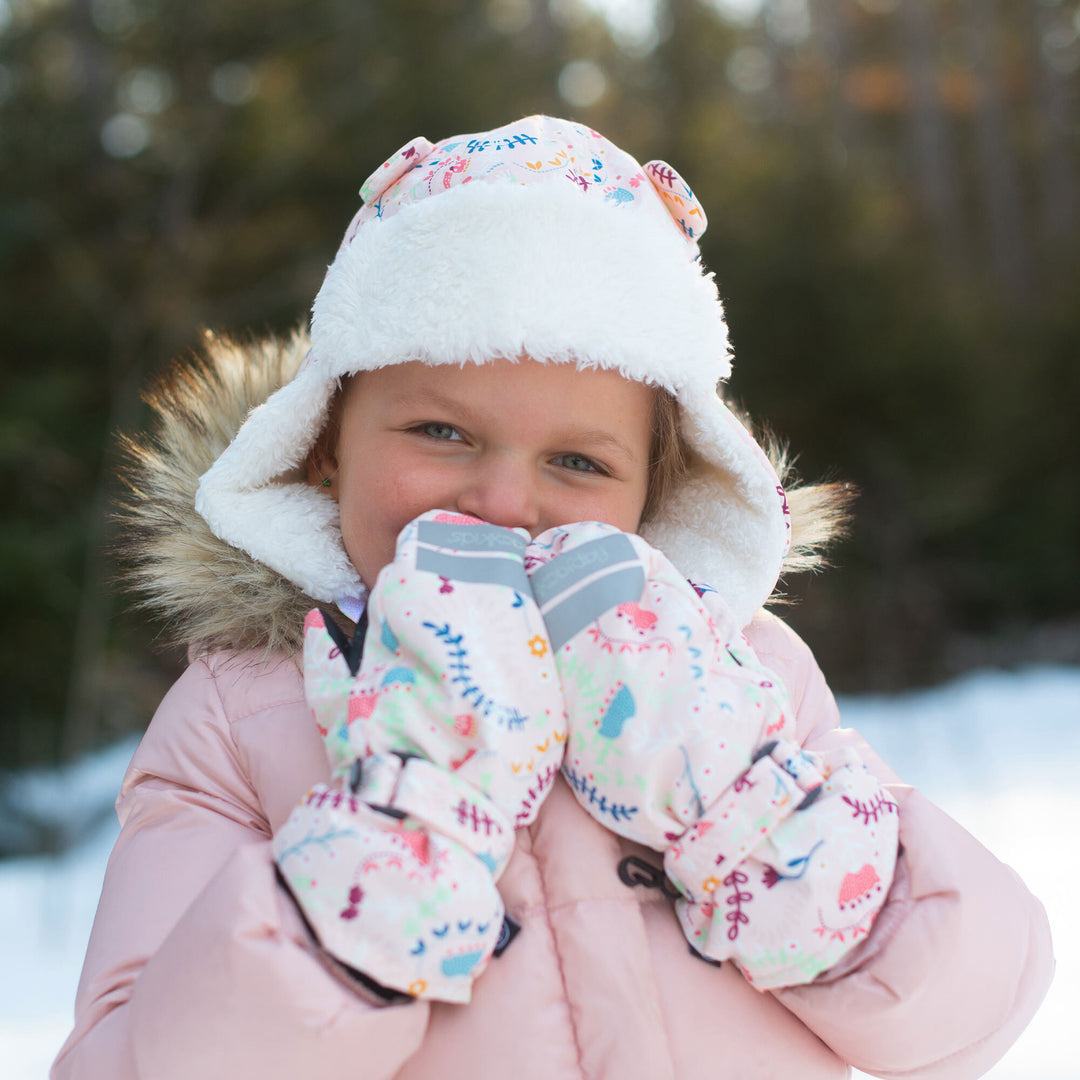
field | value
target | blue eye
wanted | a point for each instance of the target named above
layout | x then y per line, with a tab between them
435	430
578	463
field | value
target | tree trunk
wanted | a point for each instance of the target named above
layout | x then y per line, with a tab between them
935	161
1009	251
1057	174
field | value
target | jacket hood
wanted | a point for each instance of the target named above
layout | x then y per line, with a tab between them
212	595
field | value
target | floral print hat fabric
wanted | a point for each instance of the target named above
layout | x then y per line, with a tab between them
518	155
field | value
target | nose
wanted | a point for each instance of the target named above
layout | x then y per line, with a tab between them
503	490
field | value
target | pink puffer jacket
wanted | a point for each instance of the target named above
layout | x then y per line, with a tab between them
200	967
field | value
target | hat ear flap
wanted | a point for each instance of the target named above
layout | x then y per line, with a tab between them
681	203
394	168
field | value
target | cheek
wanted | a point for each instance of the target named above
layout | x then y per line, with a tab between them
367	530
409	492
627	514
621	508
625	505
374	513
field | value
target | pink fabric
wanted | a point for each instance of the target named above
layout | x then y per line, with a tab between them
199	965
535	148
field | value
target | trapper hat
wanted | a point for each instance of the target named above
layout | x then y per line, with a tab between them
540	238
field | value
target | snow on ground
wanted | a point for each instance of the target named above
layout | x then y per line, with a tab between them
47	907
997	750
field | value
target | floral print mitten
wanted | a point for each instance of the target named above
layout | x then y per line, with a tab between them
443	739
682	741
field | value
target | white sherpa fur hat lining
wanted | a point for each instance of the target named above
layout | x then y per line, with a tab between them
543	239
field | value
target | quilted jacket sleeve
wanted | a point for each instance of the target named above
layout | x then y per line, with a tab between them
198	964
959	959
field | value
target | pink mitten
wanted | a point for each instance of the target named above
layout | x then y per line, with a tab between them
682	741
447	737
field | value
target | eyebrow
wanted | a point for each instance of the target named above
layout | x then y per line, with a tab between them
586	437
433	399
580	436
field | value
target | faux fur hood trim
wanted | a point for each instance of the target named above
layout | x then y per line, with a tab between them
212	595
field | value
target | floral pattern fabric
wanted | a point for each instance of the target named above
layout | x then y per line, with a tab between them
682	741
535	149
441	746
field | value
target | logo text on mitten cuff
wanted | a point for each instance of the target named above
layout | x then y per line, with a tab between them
484	554
576	588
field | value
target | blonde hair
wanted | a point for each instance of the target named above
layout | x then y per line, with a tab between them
669	462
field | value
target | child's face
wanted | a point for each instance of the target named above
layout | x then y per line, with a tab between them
517	444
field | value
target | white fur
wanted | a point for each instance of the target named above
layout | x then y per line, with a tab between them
502	269
249	500
726	525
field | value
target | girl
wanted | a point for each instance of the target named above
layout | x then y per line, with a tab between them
515	338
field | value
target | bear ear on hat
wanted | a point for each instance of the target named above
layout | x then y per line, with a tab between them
680	201
395	167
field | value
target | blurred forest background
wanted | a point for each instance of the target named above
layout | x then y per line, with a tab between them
893	191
